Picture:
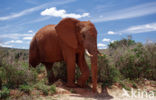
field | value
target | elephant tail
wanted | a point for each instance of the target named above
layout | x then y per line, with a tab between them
34	58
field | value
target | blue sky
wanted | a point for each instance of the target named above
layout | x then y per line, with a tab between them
114	19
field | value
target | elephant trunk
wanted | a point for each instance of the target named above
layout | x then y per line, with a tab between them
94	72
92	52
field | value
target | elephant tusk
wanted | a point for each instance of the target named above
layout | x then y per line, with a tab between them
86	51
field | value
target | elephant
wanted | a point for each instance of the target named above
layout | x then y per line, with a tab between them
66	41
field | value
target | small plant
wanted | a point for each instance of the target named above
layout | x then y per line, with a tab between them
124	85
60	71
44	88
134	85
25	88
40	68
53	89
4	93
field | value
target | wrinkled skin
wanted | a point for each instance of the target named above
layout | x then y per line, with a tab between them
66	41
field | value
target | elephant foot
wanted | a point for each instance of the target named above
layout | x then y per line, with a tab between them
71	85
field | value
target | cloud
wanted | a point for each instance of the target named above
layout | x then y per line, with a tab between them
150	27
30	10
15	35
101	46
107	40
27	38
13	41
4	45
132	12
140	28
61	13
30	31
110	32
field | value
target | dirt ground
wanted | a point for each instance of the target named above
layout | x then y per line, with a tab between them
113	93
116	92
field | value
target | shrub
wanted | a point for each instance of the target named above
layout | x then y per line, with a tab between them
45	88
15	75
40	68
133	60
53	89
25	88
41	86
135	63
122	43
107	73
60	71
4	93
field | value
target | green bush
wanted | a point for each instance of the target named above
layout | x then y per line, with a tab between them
25	88
107	73
45	88
53	89
133	60
15	75
41	86
40	68
60	71
4	93
135	63
122	43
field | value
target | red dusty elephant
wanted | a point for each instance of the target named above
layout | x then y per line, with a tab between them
68	41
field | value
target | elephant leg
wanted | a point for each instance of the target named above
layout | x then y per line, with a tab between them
84	70
50	74
69	58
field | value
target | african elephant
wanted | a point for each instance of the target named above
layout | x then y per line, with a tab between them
68	41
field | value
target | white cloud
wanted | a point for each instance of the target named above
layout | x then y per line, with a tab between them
132	12
4	45
61	13
150	27
27	38
110	32
101	46
30	10
106	40
30	31
15	35
140	28
13	41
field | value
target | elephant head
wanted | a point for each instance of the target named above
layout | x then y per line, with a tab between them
80	35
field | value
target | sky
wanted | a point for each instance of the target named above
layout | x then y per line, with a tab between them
113	19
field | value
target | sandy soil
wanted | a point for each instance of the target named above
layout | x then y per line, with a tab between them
115	93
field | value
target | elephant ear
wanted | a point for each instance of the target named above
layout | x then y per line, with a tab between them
66	30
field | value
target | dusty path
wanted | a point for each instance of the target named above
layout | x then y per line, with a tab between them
115	93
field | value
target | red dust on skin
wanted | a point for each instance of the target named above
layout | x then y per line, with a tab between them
66	41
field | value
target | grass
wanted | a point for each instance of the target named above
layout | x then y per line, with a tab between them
25	88
45	88
4	93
